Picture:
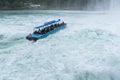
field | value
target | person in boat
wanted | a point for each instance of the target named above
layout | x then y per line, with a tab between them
49	28
39	31
52	27
36	32
46	30
43	31
56	25
61	23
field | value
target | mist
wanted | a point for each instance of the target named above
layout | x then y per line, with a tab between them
115	5
74	4
56	4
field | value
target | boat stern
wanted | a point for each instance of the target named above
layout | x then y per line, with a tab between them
30	38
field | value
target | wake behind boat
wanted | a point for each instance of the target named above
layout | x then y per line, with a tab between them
46	29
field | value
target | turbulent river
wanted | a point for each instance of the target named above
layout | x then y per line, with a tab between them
87	49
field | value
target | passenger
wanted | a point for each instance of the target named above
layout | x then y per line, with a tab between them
49	28
39	31
52	27
36	32
56	25
62	22
43	31
46	30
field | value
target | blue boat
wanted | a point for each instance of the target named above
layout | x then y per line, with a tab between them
46	29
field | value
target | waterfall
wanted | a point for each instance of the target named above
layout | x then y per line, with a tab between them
115	5
98	5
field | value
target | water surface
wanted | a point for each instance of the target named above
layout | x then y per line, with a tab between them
87	49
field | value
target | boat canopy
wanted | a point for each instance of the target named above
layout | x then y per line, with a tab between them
48	23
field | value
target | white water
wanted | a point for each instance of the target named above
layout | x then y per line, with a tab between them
87	49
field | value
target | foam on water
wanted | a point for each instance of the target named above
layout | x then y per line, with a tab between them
87	49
